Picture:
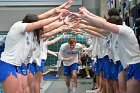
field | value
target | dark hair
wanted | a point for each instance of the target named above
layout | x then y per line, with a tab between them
29	18
137	22
115	20
113	12
72	40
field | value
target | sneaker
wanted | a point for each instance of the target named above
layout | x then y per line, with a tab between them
74	90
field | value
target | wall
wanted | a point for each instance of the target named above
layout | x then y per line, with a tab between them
91	5
10	13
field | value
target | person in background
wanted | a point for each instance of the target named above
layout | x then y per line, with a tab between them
86	61
69	54
41	57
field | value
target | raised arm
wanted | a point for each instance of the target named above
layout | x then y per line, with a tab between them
89	13
53	26
100	22
48	13
39	24
55	40
91	32
53	11
54	32
90	28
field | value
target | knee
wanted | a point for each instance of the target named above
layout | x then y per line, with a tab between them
74	76
38	79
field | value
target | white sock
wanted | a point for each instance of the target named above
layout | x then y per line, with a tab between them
74	90
68	88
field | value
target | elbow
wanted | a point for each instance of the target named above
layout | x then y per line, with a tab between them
59	58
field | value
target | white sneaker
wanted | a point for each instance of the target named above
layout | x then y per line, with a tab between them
74	90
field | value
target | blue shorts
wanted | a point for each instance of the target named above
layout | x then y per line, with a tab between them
107	67
40	68
101	64
119	65
133	71
18	69
31	67
24	69
5	70
68	69
92	64
97	68
117	68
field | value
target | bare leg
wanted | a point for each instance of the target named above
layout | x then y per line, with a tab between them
104	86
109	87
25	84
122	81
87	72
133	86
31	82
38	77
10	85
20	89
97	81
68	81
116	87
74	76
100	82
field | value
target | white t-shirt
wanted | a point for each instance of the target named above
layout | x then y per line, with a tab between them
40	52
104	47
44	50
17	44
30	35
99	47
36	53
128	46
66	52
114	45
93	44
110	43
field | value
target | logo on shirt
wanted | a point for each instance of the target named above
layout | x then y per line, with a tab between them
116	45
27	40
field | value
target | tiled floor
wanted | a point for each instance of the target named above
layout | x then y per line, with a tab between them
59	86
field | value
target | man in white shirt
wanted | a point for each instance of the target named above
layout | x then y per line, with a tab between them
69	54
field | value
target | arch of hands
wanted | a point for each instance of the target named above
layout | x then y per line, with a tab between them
72	19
